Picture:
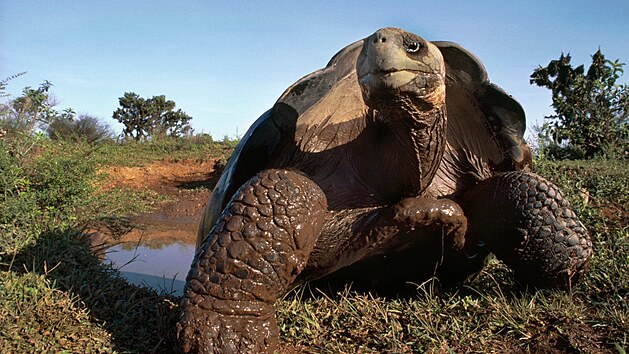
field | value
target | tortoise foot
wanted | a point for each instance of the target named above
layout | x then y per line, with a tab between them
207	331
443	213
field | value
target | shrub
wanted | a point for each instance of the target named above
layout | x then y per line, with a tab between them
42	187
84	128
32	109
592	110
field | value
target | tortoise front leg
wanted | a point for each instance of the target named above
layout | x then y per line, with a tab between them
389	245
257	248
528	224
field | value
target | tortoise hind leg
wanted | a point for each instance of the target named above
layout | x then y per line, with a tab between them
528	224
259	245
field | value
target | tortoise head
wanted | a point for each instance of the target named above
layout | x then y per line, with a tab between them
397	63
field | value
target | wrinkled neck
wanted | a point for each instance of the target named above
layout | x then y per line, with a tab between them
406	142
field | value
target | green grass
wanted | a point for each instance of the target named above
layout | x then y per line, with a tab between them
61	297
133	153
56	296
36	317
478	318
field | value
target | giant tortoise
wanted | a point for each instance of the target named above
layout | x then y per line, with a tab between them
399	161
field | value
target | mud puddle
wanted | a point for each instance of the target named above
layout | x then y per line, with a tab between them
159	250
161	265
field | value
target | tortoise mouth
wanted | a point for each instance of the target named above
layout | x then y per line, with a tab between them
416	82
393	71
396	70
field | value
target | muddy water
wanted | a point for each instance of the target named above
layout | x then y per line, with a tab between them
158	251
160	264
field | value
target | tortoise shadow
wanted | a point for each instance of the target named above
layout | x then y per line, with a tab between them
208	182
139	319
496	280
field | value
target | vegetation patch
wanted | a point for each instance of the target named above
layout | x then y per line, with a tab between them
55	294
134	154
36	317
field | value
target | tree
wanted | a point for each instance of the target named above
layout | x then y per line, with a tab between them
591	109
35	107
144	119
5	82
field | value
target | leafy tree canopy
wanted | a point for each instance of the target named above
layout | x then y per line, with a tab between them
591	108
34	108
145	119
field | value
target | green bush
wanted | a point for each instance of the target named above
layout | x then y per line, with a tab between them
55	295
591	109
52	182
35	107
51	185
20	217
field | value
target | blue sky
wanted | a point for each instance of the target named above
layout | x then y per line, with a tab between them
226	62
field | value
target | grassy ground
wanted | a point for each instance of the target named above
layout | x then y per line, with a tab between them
137	154
55	296
490	314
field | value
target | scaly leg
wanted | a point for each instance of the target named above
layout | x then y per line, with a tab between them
257	248
529	225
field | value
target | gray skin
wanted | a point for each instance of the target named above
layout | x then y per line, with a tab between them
397	162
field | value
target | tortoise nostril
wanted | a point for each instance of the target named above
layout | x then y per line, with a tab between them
381	39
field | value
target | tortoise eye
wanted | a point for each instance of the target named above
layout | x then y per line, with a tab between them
413	47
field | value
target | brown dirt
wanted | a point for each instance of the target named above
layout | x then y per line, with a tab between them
185	185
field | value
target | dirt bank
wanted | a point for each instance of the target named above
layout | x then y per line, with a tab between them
185	185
